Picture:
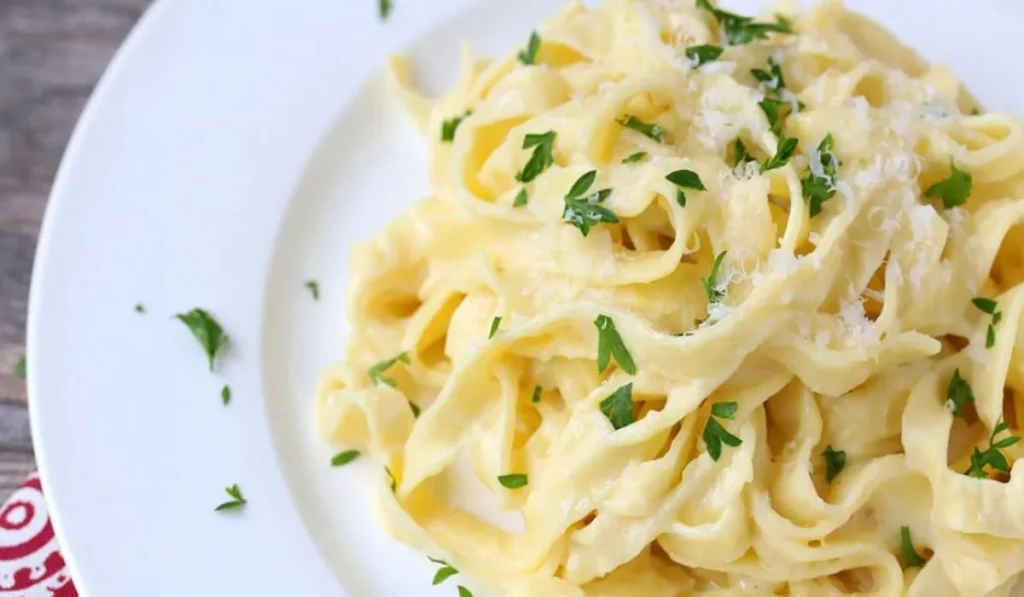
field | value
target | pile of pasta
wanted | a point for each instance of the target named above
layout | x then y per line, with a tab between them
700	304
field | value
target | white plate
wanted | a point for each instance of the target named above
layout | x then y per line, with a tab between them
234	150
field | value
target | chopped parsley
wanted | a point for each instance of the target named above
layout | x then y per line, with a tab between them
701	55
206	330
783	153
773	112
19	368
989	306
610	345
528	56
543	156
236	502
636	157
711	282
392	483
225	395
652	131
522	198
376	372
494	327
911	559
384	9
958	395
816	189
314	289
954	190
445	572
537	391
343	458
140	308
415	408
772	78
740	30
464	592
585	211
739	153
685	179
513	481
992	457
618	407
835	462
715	434
448	127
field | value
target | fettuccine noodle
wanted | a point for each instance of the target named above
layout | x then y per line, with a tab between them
830	409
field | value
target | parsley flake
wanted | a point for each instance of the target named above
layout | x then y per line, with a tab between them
521	198
815	189
140	308
711	282
585	212
445	572
636	157
652	131
618	407
958	395
529	55
206	330
537	391
701	55
225	395
392	483
415	408
543	156
954	190
835	462
464	592
739	153
911	559
685	179
314	289
494	327
384	9
989	306
376	372
513	481
773	112
448	127
610	345
740	30
343	458
236	502
19	368
772	78
992	457
783	153
715	434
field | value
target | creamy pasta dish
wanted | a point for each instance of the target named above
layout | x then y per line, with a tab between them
701	303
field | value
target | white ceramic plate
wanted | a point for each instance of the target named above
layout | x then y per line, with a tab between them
234	150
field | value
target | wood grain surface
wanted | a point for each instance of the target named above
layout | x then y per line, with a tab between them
51	54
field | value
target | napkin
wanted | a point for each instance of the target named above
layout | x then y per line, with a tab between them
30	560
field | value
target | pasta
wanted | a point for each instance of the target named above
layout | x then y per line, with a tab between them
700	304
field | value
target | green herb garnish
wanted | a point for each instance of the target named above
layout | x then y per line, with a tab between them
740	30
415	408
989	306
618	407
236	501
610	345
783	153
19	368
543	156
739	153
958	395
992	457
685	179
835	462
343	458
206	330
384	9
954	190
771	78
225	395
464	592
715	434
376	372
652	131
711	282
140	308
513	481
911	559
314	289
529	55
521	198
701	55
585	212
494	327
636	157
392	483
444	573
448	127
773	112
815	189
537	391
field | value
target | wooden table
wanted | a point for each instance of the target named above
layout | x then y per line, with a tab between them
51	54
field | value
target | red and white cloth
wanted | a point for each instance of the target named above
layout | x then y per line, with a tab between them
30	560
